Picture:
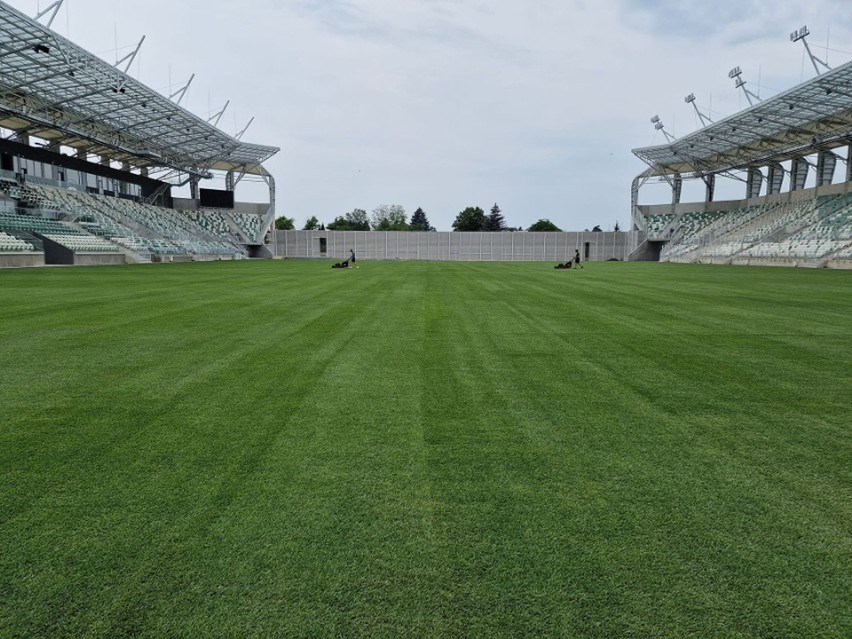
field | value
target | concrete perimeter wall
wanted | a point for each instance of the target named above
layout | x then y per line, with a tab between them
447	246
17	259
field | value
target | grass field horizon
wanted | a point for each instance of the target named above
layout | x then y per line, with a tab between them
274	448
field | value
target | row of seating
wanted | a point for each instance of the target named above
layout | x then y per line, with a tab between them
248	225
835	226
686	229
212	222
142	228
844	253
83	243
24	228
29	194
36	224
737	230
89	222
656	226
807	229
9	243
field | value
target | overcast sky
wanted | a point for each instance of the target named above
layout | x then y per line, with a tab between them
443	104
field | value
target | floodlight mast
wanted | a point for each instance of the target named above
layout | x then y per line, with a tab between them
659	126
130	57
736	75
239	135
705	119
218	116
55	7
802	35
182	92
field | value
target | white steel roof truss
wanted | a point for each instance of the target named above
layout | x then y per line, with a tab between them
803	120
70	95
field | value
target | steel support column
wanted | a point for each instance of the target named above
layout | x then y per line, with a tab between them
798	174
638	221
268	222
774	178
710	184
826	162
754	182
849	164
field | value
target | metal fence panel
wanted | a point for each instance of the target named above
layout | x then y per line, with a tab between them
445	246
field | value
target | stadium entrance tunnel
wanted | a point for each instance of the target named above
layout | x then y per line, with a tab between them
647	251
58	254
259	251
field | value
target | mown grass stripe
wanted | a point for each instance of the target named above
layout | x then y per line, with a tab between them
423	449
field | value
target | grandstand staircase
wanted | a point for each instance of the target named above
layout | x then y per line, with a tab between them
268	223
129	255
235	229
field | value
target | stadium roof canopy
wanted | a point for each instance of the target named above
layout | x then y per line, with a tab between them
814	115
53	89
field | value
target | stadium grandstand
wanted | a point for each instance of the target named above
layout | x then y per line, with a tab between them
792	153
89	157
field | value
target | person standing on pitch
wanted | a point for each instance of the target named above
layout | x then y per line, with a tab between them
352	258
577	259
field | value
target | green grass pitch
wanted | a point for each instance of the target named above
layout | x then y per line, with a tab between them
277	449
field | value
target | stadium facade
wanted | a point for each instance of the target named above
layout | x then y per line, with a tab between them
89	157
793	155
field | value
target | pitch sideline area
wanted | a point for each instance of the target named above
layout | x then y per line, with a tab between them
273	448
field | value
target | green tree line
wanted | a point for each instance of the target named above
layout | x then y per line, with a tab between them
392	217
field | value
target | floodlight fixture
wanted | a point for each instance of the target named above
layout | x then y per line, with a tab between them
804	32
736	75
802	35
690	99
659	126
